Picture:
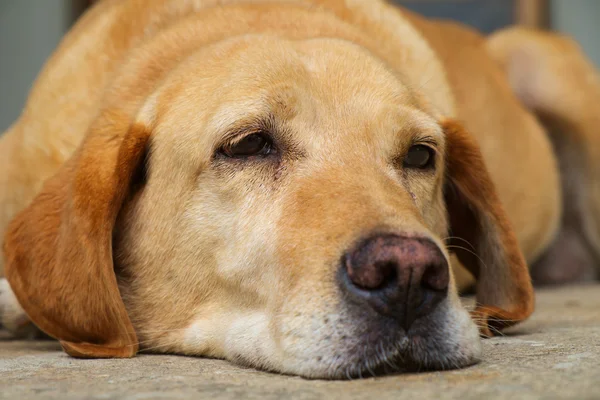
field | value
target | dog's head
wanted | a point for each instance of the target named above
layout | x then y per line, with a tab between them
282	204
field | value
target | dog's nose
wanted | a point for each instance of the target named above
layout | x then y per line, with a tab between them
401	277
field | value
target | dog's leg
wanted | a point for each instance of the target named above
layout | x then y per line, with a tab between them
552	76
12	316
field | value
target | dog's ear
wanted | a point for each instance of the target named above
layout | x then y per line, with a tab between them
479	224
59	259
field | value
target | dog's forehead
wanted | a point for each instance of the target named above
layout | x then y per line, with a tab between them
314	86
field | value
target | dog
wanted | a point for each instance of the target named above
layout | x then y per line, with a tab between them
299	186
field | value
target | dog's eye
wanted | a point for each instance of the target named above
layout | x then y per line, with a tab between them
256	144
419	156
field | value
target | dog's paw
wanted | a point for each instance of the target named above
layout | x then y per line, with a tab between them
12	315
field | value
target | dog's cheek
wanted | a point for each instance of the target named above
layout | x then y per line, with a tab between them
427	195
231	246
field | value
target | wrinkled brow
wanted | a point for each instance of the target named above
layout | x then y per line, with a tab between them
266	111
250	124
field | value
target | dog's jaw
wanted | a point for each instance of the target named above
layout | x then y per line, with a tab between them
334	345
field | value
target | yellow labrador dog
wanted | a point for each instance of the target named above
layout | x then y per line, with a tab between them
285	184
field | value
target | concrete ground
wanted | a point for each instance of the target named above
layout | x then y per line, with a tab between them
555	355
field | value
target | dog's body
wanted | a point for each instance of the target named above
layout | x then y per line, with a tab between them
145	82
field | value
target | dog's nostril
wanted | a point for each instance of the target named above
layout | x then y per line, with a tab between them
370	275
389	274
436	277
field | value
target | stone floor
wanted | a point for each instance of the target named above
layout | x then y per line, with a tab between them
555	355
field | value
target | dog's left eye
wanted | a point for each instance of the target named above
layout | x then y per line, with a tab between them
419	156
256	144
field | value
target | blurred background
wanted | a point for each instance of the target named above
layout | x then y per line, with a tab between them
31	29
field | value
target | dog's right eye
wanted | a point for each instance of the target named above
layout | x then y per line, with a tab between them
256	144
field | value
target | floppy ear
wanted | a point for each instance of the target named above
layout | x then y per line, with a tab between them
504	290
58	250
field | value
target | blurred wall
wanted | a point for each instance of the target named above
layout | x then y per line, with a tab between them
581	19
484	15
29	32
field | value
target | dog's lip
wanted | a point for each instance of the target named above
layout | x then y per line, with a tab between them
399	364
399	357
